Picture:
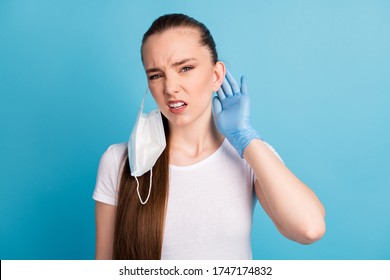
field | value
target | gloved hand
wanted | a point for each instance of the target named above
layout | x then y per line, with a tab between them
231	113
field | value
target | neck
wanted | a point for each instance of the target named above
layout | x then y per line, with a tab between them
199	138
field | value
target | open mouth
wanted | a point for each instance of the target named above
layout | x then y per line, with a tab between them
177	105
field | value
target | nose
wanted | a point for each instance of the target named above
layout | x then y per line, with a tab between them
171	84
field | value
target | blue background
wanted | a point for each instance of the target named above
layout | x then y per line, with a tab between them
71	82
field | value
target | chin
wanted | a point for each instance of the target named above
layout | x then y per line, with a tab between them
178	121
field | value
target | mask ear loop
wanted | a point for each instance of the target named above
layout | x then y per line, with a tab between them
143	99
150	188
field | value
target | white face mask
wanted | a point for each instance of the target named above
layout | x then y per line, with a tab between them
146	144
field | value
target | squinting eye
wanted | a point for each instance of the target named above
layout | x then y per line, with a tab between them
187	68
154	77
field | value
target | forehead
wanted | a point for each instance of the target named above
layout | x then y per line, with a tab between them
173	45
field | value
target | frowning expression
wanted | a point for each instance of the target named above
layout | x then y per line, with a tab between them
181	75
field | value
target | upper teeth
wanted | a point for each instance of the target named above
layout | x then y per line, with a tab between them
175	105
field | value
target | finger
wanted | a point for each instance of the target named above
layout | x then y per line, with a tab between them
227	88
217	105
221	94
232	82
244	88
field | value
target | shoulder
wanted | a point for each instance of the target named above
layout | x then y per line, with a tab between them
108	174
112	158
115	150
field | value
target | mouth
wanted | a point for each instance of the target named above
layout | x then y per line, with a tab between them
177	106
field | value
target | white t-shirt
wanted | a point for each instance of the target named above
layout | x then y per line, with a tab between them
210	204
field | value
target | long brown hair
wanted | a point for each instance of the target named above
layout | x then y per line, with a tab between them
139	228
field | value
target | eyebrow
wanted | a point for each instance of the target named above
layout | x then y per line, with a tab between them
175	64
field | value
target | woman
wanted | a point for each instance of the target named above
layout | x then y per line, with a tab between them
213	169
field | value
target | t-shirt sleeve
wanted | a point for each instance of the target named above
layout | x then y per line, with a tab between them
254	178
107	177
274	151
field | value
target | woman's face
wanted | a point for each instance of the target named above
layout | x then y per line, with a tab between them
181	75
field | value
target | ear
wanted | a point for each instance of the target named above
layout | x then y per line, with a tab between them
219	75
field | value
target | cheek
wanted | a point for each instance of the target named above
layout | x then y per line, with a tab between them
157	95
203	84
203	91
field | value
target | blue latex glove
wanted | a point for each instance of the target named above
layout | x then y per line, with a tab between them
231	113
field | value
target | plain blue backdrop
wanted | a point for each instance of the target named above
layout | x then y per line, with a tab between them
71	82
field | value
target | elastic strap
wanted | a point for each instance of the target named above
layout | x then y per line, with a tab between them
150	188
143	99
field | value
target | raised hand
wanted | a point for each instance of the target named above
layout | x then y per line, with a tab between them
232	113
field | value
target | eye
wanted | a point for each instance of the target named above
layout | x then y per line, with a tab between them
154	77
186	68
